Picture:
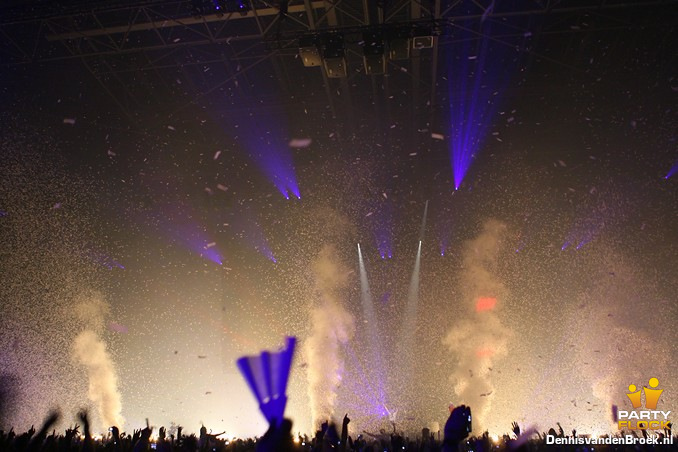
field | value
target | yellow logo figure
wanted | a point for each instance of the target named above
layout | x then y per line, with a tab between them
649	418
651	395
635	396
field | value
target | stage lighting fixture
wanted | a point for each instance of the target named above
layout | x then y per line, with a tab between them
373	53
200	7
399	45
422	42
423	38
238	6
308	51
334	57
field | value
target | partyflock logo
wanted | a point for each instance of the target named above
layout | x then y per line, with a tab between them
648	419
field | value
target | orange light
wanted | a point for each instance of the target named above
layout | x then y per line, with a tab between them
485	304
484	352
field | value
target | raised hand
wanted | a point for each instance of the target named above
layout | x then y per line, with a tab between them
344	433
162	433
51	419
516	429
146	433
574	432
71	432
84	418
456	427
136	435
37	440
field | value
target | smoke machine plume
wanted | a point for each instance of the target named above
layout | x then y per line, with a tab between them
331	327
479	337
89	350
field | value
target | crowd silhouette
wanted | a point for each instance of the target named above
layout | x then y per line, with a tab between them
330	437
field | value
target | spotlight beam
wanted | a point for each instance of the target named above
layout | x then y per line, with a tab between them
368	312
422	230
410	320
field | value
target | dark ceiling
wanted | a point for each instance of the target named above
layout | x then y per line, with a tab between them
161	59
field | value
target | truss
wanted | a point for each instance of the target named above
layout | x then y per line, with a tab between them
120	43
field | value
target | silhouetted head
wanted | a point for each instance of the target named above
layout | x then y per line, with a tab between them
286	427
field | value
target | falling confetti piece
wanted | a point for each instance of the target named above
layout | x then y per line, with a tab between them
69	121
216	155
118	327
298	143
437	136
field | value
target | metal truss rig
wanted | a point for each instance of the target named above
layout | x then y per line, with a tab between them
93	29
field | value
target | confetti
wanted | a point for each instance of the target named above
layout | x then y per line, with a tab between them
298	143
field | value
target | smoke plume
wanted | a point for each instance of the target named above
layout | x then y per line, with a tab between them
479	338
90	351
612	305
331	326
